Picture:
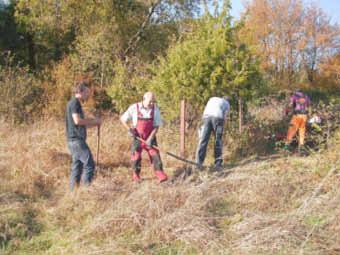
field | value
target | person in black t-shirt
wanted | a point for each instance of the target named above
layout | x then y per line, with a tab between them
76	124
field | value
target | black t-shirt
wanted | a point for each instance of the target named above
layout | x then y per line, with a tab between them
73	131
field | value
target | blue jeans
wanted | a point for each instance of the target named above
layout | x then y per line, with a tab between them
209	125
82	163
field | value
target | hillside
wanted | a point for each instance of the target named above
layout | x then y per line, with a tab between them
273	204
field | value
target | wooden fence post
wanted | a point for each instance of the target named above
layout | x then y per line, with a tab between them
182	129
240	115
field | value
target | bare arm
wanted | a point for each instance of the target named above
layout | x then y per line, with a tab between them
309	110
85	122
125	124
309	107
226	116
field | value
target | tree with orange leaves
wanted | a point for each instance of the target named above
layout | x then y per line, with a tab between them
291	38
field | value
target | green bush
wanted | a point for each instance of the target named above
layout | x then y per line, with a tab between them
209	61
127	86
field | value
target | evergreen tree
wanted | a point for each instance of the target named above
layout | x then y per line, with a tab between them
208	61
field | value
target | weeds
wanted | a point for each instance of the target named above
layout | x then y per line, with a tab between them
251	210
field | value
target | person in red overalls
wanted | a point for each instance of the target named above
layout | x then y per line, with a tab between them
146	119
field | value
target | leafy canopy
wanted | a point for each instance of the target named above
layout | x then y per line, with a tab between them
208	61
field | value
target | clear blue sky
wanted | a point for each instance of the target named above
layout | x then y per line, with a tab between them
330	7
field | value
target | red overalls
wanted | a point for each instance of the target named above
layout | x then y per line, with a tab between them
144	128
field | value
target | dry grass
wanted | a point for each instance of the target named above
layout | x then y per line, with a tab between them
271	112
273	205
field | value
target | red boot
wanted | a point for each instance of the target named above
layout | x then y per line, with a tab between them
161	176
136	177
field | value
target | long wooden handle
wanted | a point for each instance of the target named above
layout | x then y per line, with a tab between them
98	143
168	153
142	140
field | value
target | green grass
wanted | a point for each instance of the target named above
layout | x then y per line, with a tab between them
17	226
314	220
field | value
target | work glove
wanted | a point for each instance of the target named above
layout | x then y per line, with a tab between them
133	132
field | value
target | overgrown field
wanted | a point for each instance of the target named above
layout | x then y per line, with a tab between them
269	204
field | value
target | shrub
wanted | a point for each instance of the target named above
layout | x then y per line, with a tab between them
20	93
209	61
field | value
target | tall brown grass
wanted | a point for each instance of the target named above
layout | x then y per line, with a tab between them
255	206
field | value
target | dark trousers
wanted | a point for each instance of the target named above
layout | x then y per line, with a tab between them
82	163
136	156
209	125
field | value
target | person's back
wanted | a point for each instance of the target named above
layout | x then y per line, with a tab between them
300	102
214	114
216	107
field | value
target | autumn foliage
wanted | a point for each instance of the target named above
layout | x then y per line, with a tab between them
127	47
292	38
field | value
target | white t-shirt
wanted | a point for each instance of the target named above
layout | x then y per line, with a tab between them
216	107
132	114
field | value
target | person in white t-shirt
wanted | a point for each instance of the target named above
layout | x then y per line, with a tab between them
214	115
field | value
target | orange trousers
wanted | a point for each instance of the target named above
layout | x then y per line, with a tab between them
297	123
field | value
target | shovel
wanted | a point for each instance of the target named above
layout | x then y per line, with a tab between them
171	154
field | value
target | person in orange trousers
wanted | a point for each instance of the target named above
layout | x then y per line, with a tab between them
300	104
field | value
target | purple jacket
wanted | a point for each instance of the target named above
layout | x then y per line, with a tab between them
300	102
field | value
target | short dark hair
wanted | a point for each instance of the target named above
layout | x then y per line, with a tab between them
80	87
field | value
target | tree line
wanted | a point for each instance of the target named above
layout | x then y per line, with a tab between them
180	49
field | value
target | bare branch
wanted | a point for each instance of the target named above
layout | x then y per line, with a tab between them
136	38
